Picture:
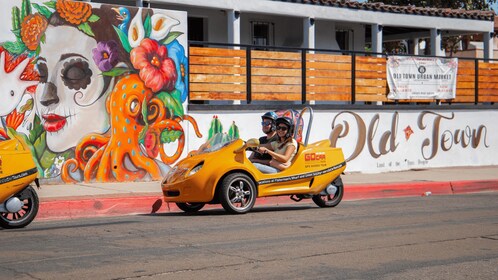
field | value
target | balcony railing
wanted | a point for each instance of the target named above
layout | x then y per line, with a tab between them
247	74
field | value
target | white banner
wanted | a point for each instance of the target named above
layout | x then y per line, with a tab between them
421	77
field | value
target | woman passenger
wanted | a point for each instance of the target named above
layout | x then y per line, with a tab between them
282	151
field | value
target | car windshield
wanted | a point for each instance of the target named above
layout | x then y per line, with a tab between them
218	141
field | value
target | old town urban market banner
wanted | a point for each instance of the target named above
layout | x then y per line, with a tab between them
421	77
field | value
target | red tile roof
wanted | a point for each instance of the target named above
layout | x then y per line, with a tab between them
379	6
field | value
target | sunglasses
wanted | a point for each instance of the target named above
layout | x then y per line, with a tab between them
265	123
283	128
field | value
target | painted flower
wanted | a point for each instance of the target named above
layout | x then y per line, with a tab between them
74	12
59	161
157	70
105	55
177	53
32	29
408	132
14	119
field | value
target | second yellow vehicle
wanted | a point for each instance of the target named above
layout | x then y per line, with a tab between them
222	174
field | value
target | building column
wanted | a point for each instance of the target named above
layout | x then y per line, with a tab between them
233	23
436	42
415	46
487	39
377	38
309	33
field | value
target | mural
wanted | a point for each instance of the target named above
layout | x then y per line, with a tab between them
96	90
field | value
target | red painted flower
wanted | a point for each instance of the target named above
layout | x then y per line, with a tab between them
157	70
408	132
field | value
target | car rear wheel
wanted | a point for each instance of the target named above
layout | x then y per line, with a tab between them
331	200
190	207
237	193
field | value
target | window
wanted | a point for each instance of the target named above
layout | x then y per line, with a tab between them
196	29
262	33
345	39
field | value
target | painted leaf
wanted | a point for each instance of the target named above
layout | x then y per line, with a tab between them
40	145
25	8
16	18
171	103
85	27
50	4
47	159
123	38
14	47
172	36
44	11
147	26
168	136
37	130
116	71
93	18
26	107
143	132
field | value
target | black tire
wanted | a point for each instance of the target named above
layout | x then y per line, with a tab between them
27	213
328	200
237	193
190	207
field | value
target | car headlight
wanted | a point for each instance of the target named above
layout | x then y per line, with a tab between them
195	169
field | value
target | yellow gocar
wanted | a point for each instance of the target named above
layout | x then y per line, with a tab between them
223	174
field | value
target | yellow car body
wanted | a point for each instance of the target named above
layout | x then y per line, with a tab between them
197	179
18	200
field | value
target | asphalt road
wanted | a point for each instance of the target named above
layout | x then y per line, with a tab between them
435	237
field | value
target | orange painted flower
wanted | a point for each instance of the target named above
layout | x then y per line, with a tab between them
14	119
74	12
32	29
408	132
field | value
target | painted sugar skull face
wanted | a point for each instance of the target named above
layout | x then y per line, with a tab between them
70	98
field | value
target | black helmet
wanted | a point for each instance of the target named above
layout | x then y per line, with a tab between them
270	115
288	122
285	120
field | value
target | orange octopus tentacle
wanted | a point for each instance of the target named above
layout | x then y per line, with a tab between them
65	173
88	146
125	174
171	125
194	124
149	165
104	171
161	114
92	164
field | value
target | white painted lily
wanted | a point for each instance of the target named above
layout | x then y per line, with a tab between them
136	32
161	26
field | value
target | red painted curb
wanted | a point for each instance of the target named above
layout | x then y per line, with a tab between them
73	208
474	186
354	192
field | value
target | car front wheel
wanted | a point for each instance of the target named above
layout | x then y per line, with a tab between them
237	193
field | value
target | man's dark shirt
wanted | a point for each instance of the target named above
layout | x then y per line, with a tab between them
264	140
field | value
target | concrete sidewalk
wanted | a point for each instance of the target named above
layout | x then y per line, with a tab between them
108	199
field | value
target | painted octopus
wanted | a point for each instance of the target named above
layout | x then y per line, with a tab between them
119	156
